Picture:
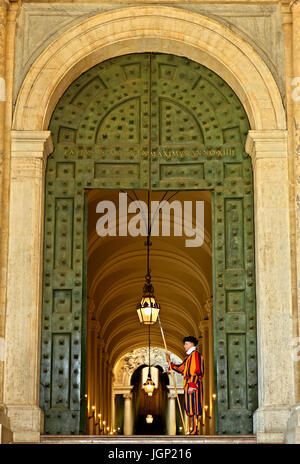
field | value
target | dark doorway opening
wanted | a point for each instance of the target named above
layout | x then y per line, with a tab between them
156	405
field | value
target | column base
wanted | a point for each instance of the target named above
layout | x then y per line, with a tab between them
6	435
270	422
27	423
292	435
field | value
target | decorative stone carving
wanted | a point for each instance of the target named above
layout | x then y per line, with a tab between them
125	367
209	307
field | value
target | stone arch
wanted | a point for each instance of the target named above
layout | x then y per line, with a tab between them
161	29
127	363
149	28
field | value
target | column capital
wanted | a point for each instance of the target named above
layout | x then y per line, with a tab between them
127	396
266	144
29	151
31	144
286	14
121	390
93	325
171	390
204	325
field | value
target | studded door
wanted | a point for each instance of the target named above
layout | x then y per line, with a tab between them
104	128
198	134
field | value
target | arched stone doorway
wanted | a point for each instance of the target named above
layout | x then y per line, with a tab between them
127	390
155	405
164	123
266	143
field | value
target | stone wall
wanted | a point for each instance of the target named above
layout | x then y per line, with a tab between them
41	23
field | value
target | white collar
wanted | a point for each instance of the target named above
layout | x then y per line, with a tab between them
190	350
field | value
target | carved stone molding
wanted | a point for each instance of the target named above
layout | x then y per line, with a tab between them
266	144
204	325
293	3
29	151
209	307
125	367
40	24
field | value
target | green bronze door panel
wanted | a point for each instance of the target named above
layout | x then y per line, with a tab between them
101	135
198	133
104	127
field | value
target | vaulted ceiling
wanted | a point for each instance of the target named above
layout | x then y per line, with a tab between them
116	267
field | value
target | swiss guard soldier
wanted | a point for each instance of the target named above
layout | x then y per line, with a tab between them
192	369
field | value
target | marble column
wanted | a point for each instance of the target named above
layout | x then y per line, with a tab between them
209	370
287	27
171	413
128	426
113	404
109	398
291	25
186	422
268	150
4	425
105	376
97	386
100	385
200	348
8	15
24	284
95	366
204	327
89	388
92	363
3	8
107	395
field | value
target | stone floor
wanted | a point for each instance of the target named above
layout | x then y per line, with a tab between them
149	439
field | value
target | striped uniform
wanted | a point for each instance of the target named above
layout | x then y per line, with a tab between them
192	369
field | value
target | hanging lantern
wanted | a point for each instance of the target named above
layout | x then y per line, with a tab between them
149	386
149	419
148	308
